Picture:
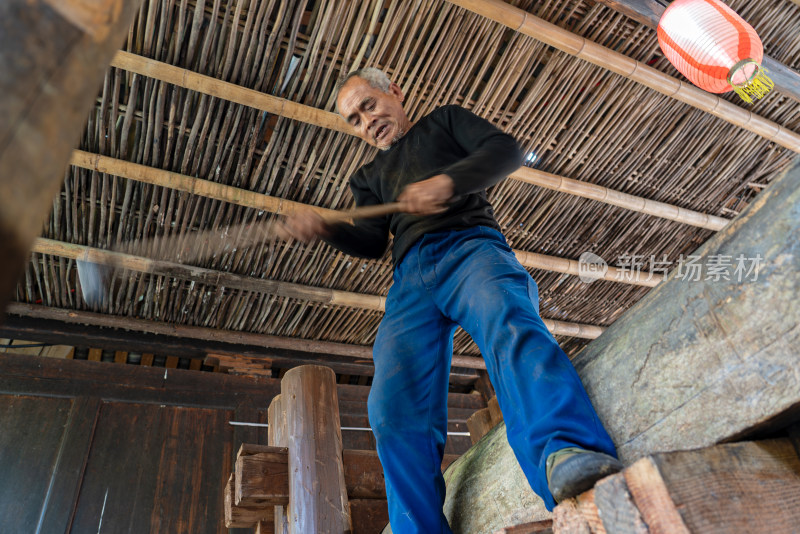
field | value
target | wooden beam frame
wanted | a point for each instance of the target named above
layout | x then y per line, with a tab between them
648	12
325	119
198	333
575	45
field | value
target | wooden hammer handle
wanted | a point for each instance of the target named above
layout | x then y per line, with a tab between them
363	212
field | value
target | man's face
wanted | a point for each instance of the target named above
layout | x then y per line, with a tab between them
377	117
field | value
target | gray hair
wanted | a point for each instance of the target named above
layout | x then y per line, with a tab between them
375	77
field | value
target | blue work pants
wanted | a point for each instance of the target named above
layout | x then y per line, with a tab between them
469	278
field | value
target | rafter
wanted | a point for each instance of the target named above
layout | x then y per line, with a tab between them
575	45
325	119
251	199
284	289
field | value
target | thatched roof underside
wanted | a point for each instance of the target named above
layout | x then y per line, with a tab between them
577	120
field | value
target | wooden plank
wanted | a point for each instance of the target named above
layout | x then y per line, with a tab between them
67	478
363	475
30	441
494	411
263	474
239	516
479	424
568	520
590	513
735	487
369	515
652	498
262	478
47	63
615	505
95	355
318	498
144	475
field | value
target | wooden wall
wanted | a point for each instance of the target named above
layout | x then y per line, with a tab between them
88	446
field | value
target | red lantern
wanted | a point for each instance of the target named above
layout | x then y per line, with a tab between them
714	47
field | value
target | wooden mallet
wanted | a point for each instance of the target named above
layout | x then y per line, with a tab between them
96	268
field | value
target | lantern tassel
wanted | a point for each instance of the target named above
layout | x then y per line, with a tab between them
758	87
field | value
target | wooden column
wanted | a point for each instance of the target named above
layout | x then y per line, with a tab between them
53	54
317	494
276	437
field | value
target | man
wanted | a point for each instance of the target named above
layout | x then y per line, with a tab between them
454	267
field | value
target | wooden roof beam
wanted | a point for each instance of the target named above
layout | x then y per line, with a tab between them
215	335
279	206
648	12
321	295
575	45
325	119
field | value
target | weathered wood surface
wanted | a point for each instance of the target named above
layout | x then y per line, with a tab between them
724	489
616	508
479	424
317	495
262	476
536	527
369	515
487	491
52	59
735	487
652	498
276	436
697	362
244	516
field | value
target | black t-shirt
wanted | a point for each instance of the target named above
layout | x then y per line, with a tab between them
450	140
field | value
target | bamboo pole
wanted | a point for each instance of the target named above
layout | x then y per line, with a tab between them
575	45
325	119
333	297
251	199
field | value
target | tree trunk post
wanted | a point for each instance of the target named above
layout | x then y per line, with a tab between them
317	493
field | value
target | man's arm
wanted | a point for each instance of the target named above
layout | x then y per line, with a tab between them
491	154
367	238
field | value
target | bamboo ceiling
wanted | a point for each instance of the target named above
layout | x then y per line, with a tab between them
576	120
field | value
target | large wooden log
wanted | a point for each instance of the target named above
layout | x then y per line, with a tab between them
696	362
692	364
52	58
317	496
